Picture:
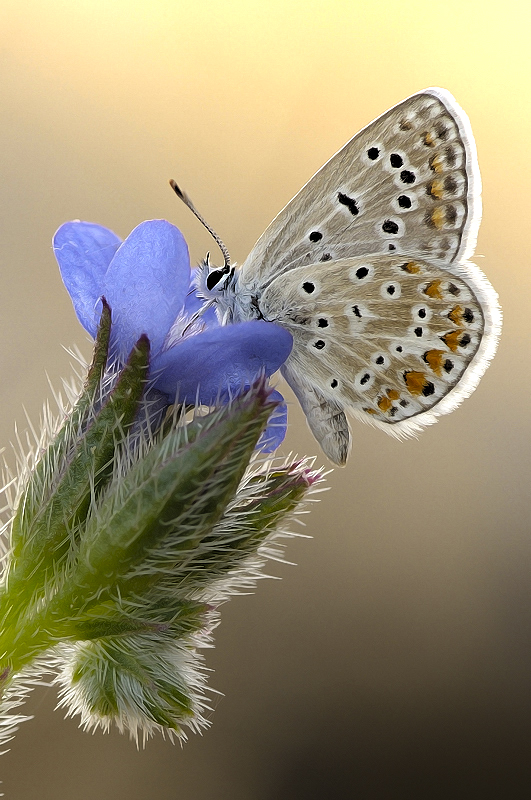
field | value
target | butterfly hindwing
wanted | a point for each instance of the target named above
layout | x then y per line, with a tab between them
326	418
408	182
395	340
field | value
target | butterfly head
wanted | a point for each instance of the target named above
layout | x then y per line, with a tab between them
213	282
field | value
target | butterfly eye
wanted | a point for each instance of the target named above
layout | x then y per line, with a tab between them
214	278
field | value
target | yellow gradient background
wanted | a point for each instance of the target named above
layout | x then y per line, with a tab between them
395	660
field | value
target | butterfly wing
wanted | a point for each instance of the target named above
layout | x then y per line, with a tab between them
394	340
326	418
406	183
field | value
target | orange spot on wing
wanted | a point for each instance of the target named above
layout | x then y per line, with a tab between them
456	315
415	381
436	164
410	267
452	339
428	139
433	290
439	217
370	411
436	189
434	359
384	404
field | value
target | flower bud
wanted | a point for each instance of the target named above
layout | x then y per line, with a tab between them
127	535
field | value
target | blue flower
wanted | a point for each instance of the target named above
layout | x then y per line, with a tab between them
146	281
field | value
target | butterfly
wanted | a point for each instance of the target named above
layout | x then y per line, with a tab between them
367	267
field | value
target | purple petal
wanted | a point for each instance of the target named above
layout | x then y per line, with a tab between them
221	360
274	434
147	283
84	251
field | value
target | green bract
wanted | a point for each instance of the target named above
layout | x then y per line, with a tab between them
125	538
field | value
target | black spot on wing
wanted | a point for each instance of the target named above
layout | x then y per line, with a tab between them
404	201
451	157
442	131
406	176
448	365
450	184
390	226
349	202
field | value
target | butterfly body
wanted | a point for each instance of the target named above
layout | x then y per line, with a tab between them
367	267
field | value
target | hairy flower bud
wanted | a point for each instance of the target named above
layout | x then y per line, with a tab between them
132	528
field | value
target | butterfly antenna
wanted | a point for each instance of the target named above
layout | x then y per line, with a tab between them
186	200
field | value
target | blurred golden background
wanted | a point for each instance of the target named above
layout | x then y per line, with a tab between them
395	660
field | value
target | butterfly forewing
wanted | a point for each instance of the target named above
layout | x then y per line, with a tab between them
384	336
406	183
367	268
